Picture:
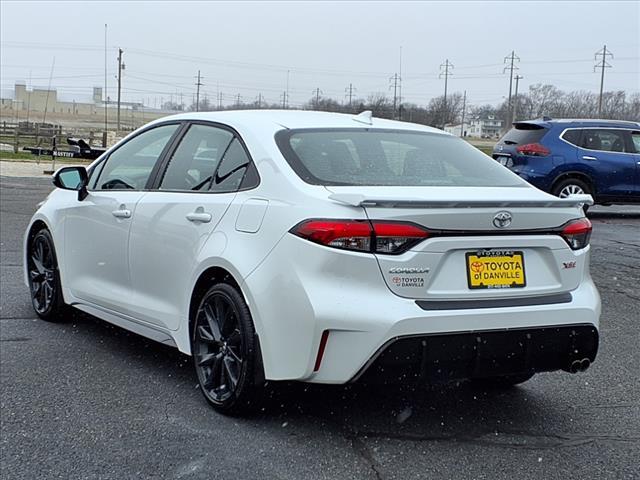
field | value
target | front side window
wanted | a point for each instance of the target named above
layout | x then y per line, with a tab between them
130	166
193	163
605	140
389	158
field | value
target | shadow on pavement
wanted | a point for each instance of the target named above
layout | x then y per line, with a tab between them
459	412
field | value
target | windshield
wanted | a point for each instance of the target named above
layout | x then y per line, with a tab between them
389	158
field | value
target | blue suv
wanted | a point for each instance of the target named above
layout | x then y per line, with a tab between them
565	157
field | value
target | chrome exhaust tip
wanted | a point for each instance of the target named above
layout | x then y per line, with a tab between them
579	365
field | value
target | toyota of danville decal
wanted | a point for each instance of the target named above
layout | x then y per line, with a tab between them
408	276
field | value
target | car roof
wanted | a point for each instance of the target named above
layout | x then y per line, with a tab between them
580	122
292	119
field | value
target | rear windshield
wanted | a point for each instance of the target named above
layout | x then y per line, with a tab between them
389	158
524	133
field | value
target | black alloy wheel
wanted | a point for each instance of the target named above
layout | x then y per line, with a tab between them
44	279
224	350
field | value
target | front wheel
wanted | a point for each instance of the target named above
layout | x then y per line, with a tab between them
44	278
224	348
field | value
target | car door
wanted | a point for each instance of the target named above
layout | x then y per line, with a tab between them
606	151
97	228
175	219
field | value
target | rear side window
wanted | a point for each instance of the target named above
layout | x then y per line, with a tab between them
192	164
524	133
232	170
605	140
635	136
389	157
572	136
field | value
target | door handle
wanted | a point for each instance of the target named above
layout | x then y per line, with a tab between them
122	212
588	157
199	216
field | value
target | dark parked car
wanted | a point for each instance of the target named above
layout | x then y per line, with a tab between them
565	157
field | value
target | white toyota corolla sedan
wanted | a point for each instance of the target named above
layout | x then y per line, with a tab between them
319	247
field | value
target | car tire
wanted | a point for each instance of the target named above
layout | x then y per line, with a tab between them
572	186
225	351
44	278
506	381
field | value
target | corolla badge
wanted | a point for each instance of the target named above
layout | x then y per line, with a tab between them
502	219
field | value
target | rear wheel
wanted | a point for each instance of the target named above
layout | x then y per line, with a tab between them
224	349
572	186
44	278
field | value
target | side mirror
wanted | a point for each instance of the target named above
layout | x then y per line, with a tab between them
72	178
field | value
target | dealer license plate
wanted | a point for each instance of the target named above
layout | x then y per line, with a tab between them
495	269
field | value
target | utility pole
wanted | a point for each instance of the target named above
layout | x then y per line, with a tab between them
120	69
285	98
394	85
350	89
515	97
400	88
317	93
511	59
444	72
238	97
603	64
198	85
104	96
464	107
260	100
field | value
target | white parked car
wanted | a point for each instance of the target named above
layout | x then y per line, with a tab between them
326	248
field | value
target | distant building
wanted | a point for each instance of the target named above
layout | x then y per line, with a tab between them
37	99
488	127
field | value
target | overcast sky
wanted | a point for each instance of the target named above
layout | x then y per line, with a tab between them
247	48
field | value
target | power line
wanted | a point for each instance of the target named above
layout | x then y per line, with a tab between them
602	65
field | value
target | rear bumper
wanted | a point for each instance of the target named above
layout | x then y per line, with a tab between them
452	356
303	289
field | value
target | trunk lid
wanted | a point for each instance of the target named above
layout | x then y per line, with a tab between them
462	219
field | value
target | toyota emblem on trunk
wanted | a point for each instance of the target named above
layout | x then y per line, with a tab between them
502	219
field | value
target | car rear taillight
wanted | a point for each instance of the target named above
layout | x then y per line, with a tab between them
392	237
362	235
577	233
533	149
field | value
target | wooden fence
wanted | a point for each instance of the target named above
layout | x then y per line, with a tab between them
29	134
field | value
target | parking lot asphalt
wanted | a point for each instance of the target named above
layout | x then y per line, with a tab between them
86	400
